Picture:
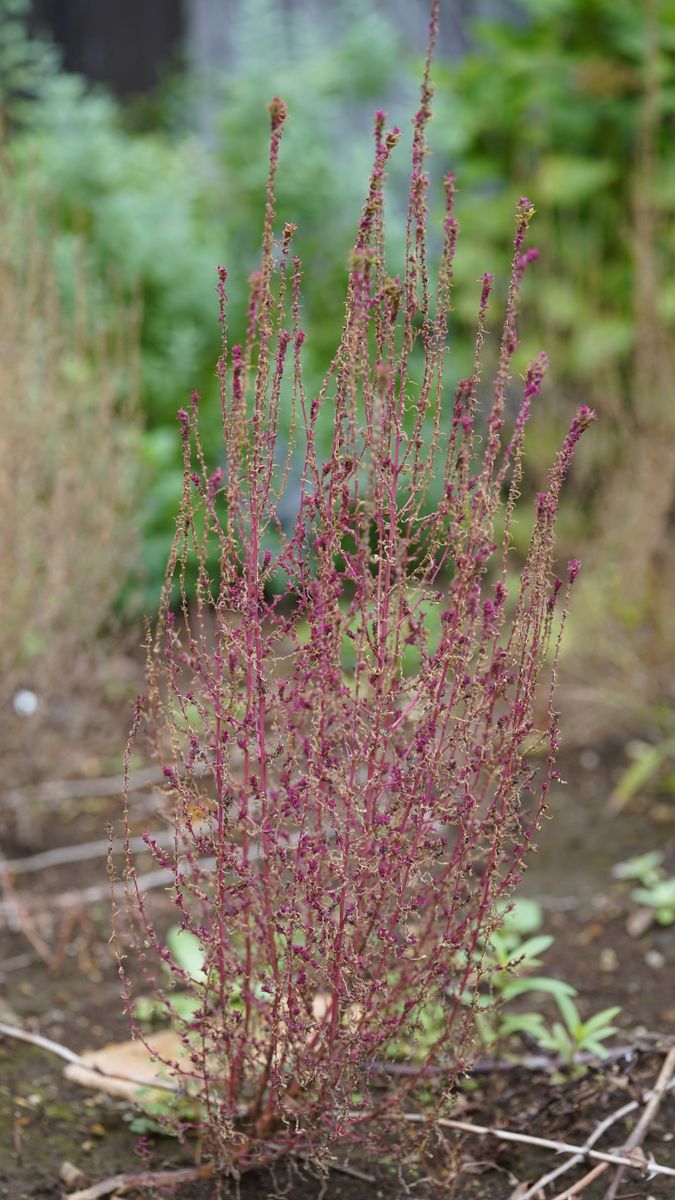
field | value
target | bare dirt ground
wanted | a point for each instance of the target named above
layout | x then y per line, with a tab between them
58	978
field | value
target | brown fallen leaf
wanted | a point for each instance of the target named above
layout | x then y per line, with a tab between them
133	1059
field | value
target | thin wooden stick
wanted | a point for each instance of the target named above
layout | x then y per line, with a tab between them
81	897
637	1136
528	1062
354	1172
152	879
575	1189
18	920
16	963
55	791
594	1137
62	855
577	1158
662	1085
36	1039
506	1135
121	1185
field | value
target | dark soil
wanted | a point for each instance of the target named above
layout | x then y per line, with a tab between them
45	1121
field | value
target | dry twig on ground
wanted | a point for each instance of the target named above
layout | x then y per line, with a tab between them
508	1135
36	1039
637	1136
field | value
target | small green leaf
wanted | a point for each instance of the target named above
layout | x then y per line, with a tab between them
500	948
184	1005
147	1009
529	950
595	1046
554	987
644	867
569	1013
187	952
558	1040
525	916
532	1023
639	774
596	1022
660	898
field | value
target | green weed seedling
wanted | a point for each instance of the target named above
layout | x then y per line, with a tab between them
159	1110
661	898
649	762
163	1113
658	889
573	1036
516	945
645	868
187	954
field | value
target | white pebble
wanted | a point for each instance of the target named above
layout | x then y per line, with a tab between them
655	959
25	703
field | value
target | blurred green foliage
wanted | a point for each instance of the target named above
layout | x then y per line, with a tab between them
131	206
153	213
24	63
549	105
553	106
331	90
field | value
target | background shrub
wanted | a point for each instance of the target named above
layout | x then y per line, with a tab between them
67	478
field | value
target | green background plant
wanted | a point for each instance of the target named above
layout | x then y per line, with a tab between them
658	889
551	104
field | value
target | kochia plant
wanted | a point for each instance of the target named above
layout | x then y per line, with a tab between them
346	835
